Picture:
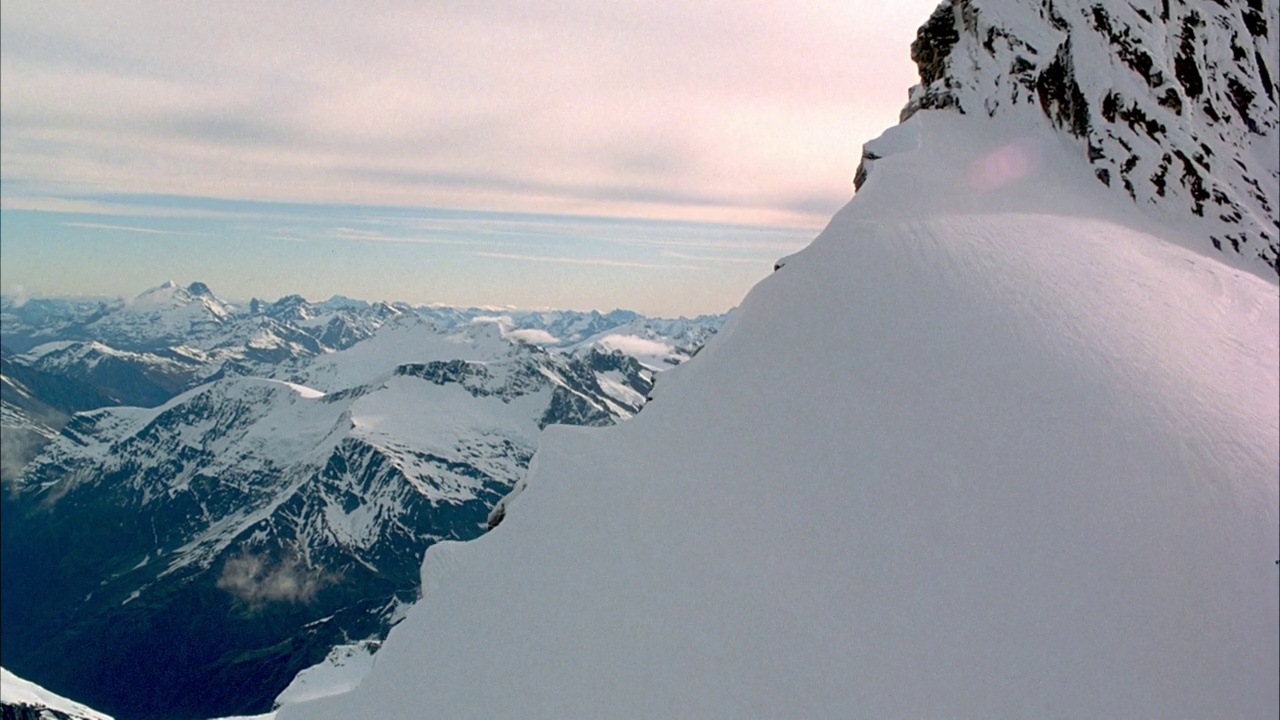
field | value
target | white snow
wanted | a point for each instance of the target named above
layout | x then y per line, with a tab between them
16	691
62	355
613	384
985	449
340	672
13	417
405	339
304	391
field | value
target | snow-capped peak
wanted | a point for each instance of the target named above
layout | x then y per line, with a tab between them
171	294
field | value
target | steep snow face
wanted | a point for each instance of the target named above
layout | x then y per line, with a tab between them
995	445
1172	103
20	696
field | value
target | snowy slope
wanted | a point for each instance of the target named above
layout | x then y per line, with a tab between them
113	377
404	339
342	670
19	696
1019	459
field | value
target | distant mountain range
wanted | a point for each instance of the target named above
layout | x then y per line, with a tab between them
207	498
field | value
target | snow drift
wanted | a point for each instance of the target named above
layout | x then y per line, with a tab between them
965	463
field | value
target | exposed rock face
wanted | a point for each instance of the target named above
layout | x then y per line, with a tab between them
29	712
1171	102
32	712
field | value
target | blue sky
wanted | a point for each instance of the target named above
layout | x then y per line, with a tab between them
651	155
248	249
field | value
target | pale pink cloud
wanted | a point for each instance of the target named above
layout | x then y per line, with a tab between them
749	111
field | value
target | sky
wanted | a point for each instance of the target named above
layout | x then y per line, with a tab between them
652	155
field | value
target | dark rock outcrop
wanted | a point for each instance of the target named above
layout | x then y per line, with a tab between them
1172	102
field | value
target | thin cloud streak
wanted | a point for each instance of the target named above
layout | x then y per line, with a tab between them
379	237
130	228
691	244
307	222
711	258
597	262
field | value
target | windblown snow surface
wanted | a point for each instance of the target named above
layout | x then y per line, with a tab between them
994	445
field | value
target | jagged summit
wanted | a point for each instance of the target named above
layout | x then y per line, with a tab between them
1172	103
171	293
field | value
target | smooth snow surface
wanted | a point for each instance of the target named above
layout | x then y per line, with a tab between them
16	691
340	672
994	446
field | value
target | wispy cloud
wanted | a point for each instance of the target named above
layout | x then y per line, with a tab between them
132	229
345	233
627	109
781	242
713	258
597	262
258	579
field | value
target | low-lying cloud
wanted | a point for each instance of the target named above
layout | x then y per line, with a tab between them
17	448
258	579
534	335
634	345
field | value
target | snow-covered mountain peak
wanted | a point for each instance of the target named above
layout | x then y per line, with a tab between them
343	302
1172	103
171	294
161	316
